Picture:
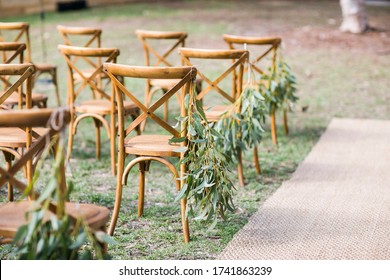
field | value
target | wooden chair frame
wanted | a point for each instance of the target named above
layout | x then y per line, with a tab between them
238	59
23	86
184	77
16	211
93	40
177	40
67	32
92	80
10	52
23	36
272	44
16	50
13	53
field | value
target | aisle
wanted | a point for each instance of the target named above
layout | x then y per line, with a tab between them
335	206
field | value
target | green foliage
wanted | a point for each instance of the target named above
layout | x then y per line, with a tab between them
279	86
54	236
207	186
241	126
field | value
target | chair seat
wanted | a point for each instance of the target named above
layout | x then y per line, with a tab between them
12	215
151	145
36	98
87	73
45	67
215	113
165	84
15	137
102	106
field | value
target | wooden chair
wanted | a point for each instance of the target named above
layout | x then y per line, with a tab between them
13	214
13	53
265	46
88	37
13	140
232	64
148	148
159	50
19	32
80	36
97	109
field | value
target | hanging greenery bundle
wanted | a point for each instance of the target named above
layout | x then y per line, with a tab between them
60	237
241	125
279	86
207	186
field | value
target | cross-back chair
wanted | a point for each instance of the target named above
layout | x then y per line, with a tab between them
88	37
264	48
80	36
160	50
13	140
230	64
19	32
148	148
13	53
13	214
97	109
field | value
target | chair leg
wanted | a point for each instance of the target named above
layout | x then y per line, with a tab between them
285	122
273	128
117	205
98	124
166	110
256	160
8	158
113	145
55	83
143	168
240	170
184	220
70	138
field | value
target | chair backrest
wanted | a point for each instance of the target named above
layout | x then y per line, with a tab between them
17	32
184	76
233	66
11	51
92	79
264	46
80	36
56	121
165	42
23	74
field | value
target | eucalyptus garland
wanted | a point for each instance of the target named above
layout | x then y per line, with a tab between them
241	125
279	86
207	186
60	237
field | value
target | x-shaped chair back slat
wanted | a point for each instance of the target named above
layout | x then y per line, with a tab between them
28	119
94	79
91	36
175	39
18	32
184	75
10	51
237	59
24	75
271	45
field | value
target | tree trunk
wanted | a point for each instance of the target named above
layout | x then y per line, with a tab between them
354	16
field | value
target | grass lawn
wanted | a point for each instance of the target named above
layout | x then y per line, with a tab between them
339	75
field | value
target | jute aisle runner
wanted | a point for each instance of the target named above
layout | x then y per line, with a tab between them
335	206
